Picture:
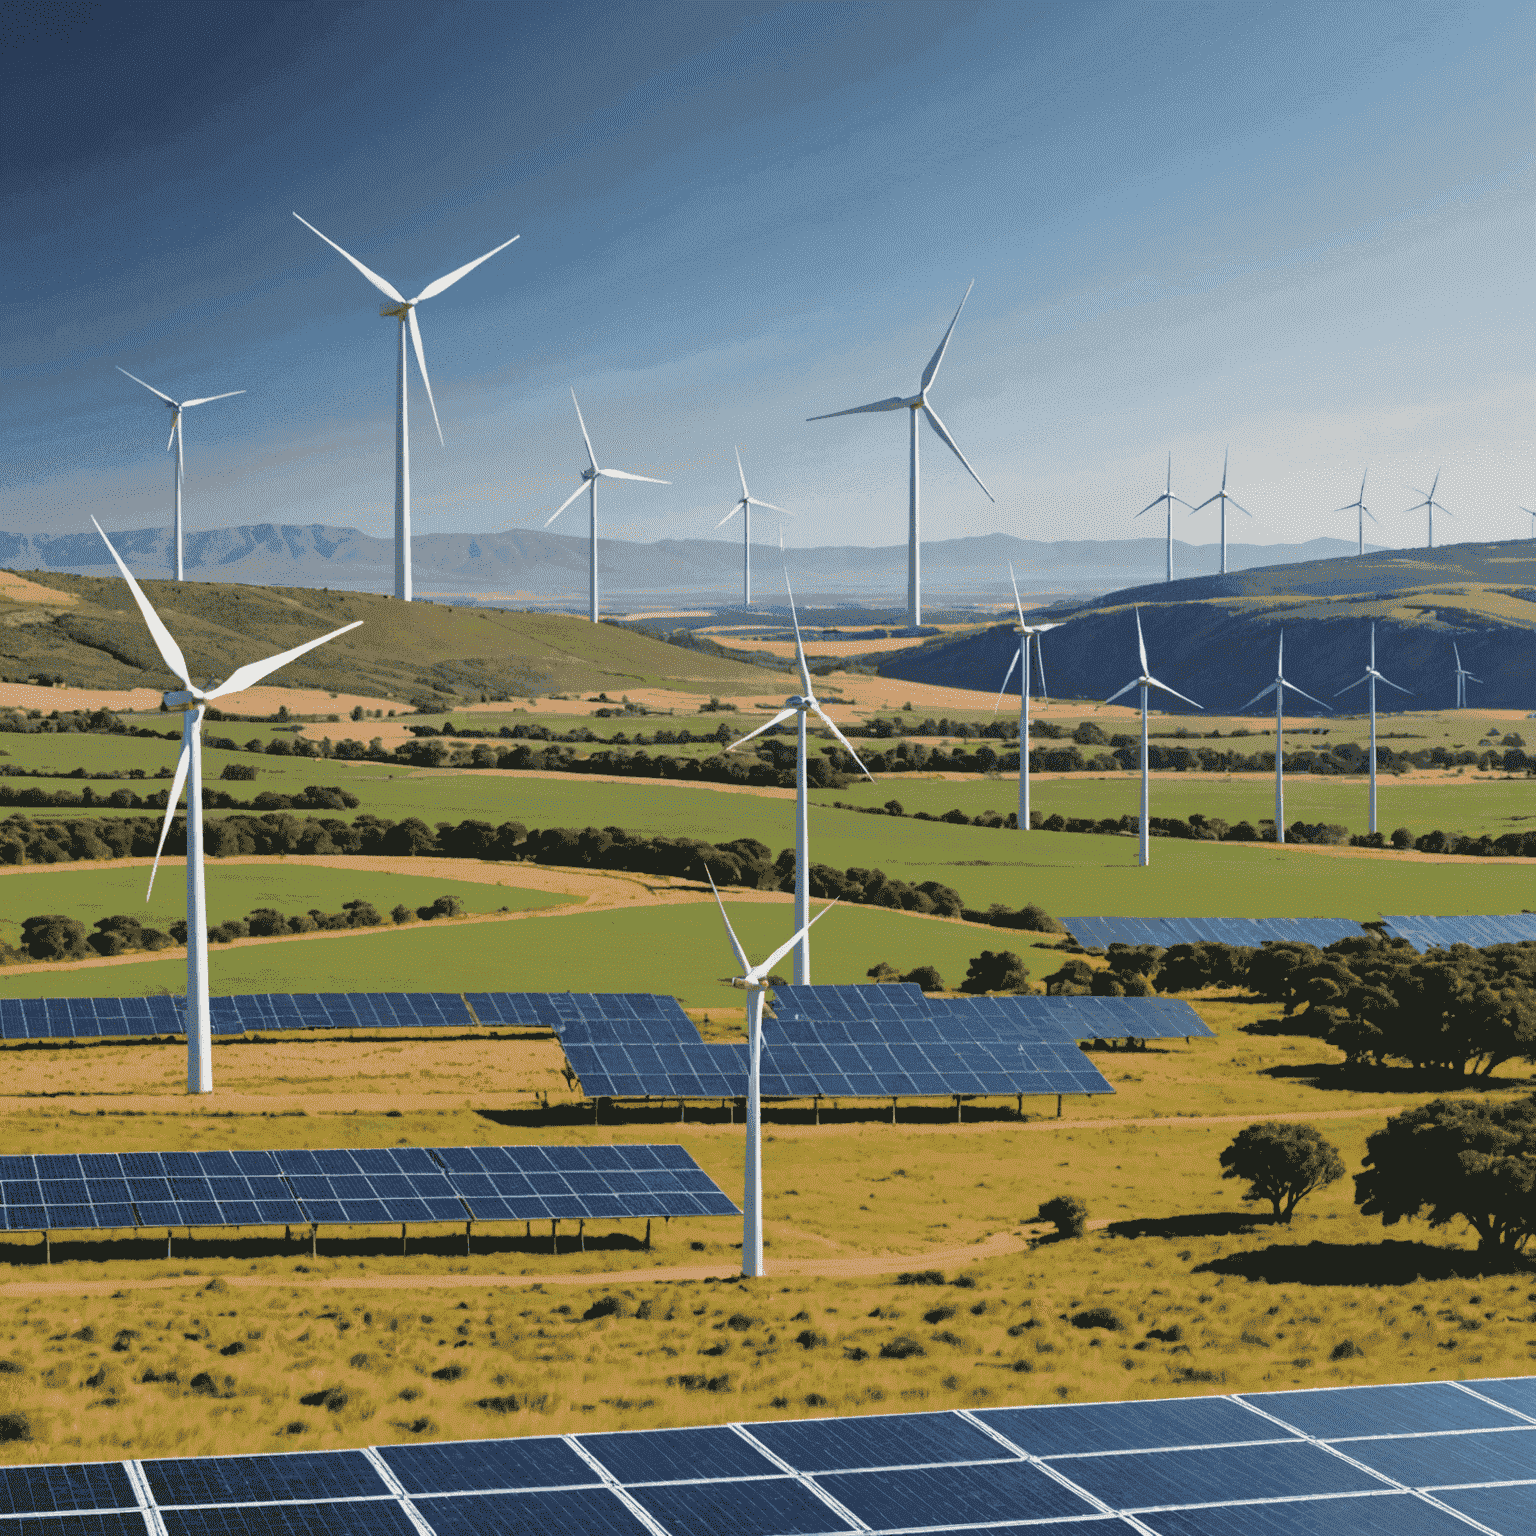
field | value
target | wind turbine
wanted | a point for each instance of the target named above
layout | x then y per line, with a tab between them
756	982
1278	688
1461	679
1372	676
404	310
1144	682
1532	516
917	405
589	478
1170	498
1430	502
174	441
1358	505
800	706
1021	656
744	506
189	771
1223	498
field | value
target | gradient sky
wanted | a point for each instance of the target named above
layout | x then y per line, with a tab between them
1303	230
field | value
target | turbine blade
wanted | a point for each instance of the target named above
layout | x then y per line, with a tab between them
1390	684
1470	678
1357	682
740	506
1204	504
179	778
1151	504
1153	682
170	442
1006	676
373	277
930	373
943	431
741	954
1259	695
1017	602
170	652
805	672
150	387
621	474
432	290
1456	649
894	403
591	457
768	506
847	746
1045	692
421	363
1371	515
253	671
767	966
564	504
1141	643
1240	507
746	495
778	719
1304	694
204	399
1135	683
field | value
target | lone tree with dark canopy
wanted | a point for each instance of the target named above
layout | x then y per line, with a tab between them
1457	1157
1282	1163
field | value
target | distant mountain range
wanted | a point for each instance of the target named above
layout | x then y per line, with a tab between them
550	570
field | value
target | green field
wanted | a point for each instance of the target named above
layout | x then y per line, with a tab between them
86	892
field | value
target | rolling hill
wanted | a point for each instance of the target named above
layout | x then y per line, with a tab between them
1214	637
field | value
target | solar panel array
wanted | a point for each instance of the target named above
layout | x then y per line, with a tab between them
1441	932
82	1018
1101	932
1428	1459
115	1190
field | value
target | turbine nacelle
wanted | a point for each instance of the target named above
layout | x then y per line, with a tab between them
394	311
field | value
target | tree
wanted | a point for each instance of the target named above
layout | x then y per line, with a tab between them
53	937
1000	972
1074	978
1457	1157
1282	1163
927	977
1068	1213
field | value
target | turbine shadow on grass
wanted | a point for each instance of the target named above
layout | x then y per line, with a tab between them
1384	1263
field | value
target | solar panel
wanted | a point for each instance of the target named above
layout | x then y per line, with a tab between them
1181	1467
1442	932
1101	932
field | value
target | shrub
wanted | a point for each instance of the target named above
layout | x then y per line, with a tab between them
400	913
1097	1317
1346	1349
808	1338
938	1315
1281	1163
1074	977
238	771
920	1277
902	1347
926	977
1000	972
604	1306
15	1426
53	937
1067	1213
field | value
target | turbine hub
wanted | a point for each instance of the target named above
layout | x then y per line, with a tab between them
394	311
179	699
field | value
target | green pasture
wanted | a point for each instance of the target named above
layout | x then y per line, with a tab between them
681	950
87	892
1467	806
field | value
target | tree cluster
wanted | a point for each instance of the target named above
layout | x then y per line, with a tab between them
313	797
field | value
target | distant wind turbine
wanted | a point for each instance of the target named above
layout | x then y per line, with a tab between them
1532	516
404	310
1144	682
917	405
744	506
1372	676
1278	688
1430	502
1223	498
800	706
1021	657
174	441
1462	676
1358	505
189	771
1170	498
755	979
589	478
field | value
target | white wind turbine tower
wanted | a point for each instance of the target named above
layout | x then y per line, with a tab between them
404	310
1278	688
1430	502
589	478
915	406
1144	682
1462	675
1223	498
174	441
755	980
1372	676
1170	498
800	706
192	703
1358	505
1021	656
744	505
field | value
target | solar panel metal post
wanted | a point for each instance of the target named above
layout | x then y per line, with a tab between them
817	1108
47	1249
581	1233
1058	1106
402	1237
554	1236
957	1109
647	1234
314	1240
893	1109
167	1242
467	1226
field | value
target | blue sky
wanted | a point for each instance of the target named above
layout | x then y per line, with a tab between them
1299	229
